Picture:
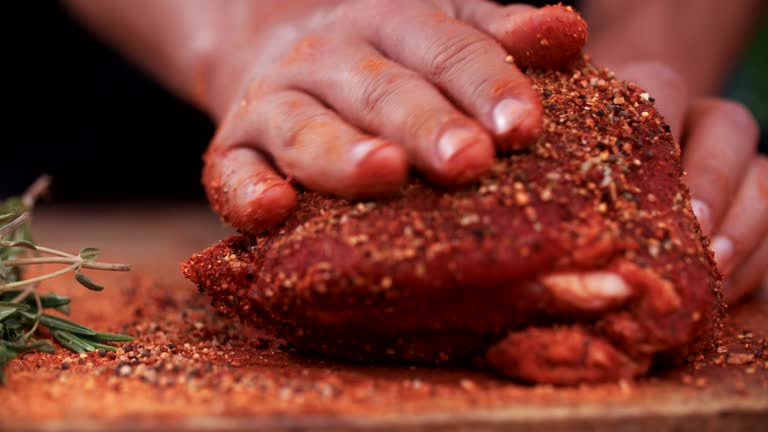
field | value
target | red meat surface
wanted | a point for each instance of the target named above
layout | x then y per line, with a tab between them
578	259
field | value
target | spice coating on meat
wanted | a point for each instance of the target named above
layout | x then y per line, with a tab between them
588	235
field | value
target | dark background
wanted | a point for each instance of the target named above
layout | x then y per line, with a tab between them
99	126
77	111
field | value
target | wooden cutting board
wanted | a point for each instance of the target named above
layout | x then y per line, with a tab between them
193	369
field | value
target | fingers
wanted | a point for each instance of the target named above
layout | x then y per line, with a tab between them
466	64
563	355
745	226
244	190
420	104
311	143
720	143
728	184
724	177
747	276
547	37
390	101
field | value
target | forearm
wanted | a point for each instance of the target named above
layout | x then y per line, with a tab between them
700	39
168	38
185	43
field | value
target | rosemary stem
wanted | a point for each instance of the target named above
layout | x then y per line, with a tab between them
106	266
39	260
24	294
67	260
51	275
10	227
54	252
39	304
17	251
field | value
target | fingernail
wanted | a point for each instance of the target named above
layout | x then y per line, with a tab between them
723	248
454	141
508	114
365	149
703	214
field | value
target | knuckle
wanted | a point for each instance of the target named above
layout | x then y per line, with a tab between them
310	128
307	49
284	102
493	87
255	89
379	90
449	55
421	124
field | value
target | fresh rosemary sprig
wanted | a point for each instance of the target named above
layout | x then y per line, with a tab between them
22	307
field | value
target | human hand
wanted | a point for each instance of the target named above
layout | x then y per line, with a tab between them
344	96
727	177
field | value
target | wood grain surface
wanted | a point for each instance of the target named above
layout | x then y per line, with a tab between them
192	369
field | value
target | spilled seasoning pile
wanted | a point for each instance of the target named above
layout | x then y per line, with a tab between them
188	361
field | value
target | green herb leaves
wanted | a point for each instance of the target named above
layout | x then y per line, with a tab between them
22	307
9	308
82	343
87	282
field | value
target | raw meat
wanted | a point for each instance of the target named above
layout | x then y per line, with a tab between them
576	260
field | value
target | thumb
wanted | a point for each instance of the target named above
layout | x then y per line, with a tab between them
545	37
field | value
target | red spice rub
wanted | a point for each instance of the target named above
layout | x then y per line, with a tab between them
442	276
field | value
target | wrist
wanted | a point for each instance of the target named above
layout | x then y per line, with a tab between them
210	67
242	40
